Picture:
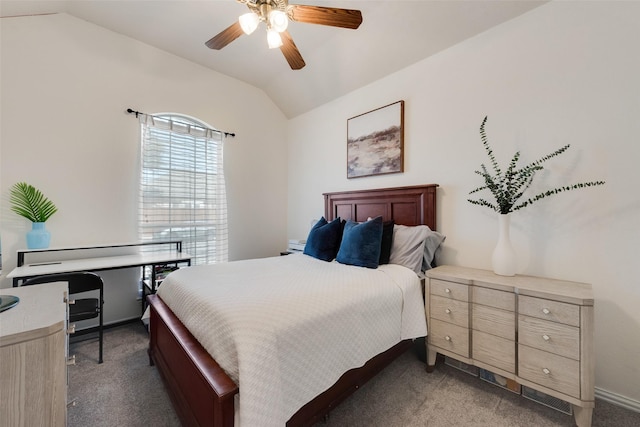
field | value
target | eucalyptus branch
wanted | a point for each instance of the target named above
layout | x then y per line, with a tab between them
508	187
485	142
557	191
549	156
482	202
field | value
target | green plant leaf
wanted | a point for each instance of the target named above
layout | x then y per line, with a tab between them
29	202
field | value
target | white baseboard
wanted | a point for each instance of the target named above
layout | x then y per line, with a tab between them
618	400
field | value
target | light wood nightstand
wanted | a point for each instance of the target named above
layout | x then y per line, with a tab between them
535	331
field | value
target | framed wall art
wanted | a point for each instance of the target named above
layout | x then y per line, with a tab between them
375	142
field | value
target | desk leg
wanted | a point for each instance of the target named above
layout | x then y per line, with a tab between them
143	302
153	279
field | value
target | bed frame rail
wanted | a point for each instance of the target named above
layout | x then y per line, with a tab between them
348	383
204	399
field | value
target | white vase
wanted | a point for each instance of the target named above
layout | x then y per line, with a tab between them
504	257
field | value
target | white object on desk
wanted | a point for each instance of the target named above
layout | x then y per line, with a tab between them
297	245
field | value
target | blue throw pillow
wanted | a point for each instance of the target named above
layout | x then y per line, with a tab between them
361	243
324	239
387	240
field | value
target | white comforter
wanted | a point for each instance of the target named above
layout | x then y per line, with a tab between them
286	328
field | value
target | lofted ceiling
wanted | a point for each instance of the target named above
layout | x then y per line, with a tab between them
393	35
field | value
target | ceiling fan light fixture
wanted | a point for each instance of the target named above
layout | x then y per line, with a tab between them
273	39
249	22
276	15
278	20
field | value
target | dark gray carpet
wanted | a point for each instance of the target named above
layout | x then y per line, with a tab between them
122	391
126	391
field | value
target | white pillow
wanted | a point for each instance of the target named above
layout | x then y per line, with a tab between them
412	245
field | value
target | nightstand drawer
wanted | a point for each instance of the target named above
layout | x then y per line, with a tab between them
450	310
449	289
549	310
449	337
494	298
556	338
494	351
549	370
494	321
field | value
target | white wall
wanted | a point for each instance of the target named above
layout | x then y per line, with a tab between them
564	73
65	87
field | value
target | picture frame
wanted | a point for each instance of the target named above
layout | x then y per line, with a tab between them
375	142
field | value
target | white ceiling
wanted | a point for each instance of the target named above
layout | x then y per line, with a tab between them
393	35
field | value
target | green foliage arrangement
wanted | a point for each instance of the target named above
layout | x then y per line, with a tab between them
29	202
508	187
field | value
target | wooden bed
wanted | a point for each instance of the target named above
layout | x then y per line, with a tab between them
203	394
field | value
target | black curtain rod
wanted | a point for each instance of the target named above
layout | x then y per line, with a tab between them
137	113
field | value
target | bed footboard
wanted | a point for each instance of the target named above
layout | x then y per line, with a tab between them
201	392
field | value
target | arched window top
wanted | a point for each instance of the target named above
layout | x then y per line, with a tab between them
183	118
180	119
180	124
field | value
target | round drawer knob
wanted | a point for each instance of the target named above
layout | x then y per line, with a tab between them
546	311
447	311
448	338
546	337
546	371
447	290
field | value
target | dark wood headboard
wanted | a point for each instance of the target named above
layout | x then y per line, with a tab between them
411	206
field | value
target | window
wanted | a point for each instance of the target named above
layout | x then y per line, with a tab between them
182	187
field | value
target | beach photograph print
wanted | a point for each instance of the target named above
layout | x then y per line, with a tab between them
375	141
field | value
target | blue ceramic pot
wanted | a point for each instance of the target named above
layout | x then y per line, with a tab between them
38	237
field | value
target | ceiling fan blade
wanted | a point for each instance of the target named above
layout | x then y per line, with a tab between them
291	52
345	18
225	37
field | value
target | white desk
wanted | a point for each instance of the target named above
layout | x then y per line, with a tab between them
97	264
51	265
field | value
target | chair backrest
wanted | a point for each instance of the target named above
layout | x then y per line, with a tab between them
78	282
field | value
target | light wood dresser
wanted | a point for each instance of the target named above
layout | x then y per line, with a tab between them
33	357
535	331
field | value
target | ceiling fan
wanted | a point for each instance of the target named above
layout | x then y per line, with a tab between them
276	15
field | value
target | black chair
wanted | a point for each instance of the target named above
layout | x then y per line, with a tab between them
84	308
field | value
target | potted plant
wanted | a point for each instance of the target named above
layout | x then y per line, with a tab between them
507	189
29	202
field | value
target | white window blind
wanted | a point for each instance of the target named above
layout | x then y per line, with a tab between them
182	187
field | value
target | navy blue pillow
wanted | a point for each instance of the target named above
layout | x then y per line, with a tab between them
387	240
324	239
361	243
